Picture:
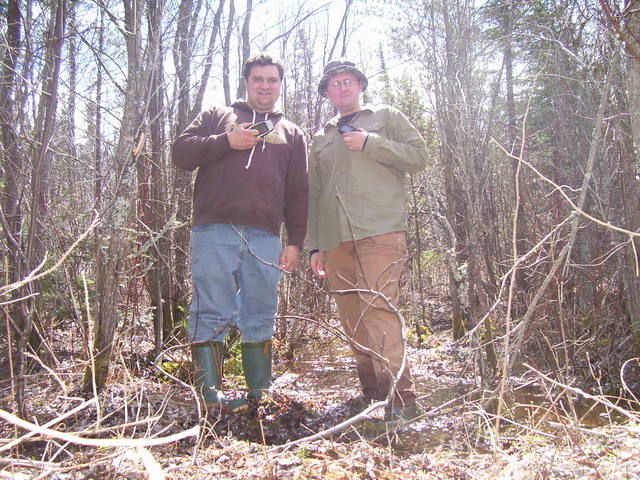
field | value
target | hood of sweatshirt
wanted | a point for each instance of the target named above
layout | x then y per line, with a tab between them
243	105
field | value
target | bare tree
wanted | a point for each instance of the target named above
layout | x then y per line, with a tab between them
451	64
180	182
630	171
153	200
245	46
13	162
112	243
31	251
204	80
226	54
512	138
341	32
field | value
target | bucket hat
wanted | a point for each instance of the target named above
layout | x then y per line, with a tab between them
335	67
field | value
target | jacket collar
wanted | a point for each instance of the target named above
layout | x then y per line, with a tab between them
333	121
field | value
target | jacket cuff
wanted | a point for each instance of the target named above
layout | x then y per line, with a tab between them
372	141
297	240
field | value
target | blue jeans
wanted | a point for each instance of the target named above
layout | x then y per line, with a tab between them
232	284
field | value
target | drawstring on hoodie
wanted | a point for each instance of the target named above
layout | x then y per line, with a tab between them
253	120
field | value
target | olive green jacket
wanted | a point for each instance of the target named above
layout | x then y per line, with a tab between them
358	194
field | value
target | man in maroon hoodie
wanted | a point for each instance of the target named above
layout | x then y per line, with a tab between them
249	181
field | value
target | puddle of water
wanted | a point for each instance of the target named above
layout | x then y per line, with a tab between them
330	370
530	403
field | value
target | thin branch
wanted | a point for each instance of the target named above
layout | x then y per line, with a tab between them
296	24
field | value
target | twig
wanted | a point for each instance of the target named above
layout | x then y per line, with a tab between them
50	371
560	188
92	358
200	408
507	275
24	463
520	425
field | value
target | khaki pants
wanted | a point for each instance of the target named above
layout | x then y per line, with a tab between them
373	263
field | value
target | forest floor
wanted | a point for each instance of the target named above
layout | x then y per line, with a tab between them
539	435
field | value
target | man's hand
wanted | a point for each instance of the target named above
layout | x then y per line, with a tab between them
289	258
317	264
355	140
242	139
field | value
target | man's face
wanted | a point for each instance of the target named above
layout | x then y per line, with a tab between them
263	87
344	90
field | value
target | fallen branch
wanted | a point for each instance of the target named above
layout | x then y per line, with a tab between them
330	431
151	465
361	417
93	442
73	411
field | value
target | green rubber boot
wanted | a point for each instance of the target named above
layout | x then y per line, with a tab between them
207	363
256	364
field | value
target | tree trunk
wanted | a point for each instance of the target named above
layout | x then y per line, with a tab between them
12	166
449	111
112	241
34	251
154	209
226	53
513	143
204	80
245	42
631	187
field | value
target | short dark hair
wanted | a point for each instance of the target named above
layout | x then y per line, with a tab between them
262	59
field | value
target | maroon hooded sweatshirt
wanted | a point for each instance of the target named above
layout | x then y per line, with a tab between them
261	187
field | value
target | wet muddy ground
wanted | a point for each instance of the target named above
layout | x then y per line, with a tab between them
540	437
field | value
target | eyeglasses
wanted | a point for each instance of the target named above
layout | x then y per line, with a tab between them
347	83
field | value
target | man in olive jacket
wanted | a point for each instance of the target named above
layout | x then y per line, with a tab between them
250	180
357	226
